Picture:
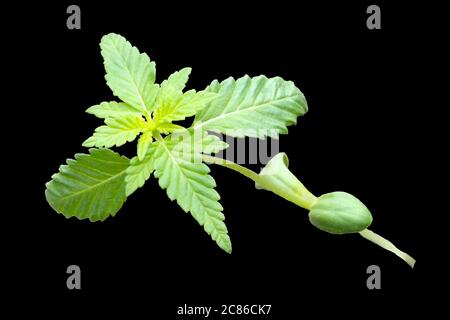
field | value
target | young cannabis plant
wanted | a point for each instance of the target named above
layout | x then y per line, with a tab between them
94	186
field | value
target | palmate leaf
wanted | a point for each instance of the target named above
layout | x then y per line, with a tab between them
129	73
95	185
189	183
90	187
117	132
113	110
255	107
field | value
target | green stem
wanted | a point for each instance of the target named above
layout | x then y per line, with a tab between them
232	165
386	244
280	180
157	135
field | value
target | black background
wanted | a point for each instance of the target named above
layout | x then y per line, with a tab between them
363	134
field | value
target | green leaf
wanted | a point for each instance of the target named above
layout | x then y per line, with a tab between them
168	127
143	143
212	144
172	88
91	186
185	144
254	107
190	144
177	80
139	170
113	110
192	187
117	132
129	74
175	107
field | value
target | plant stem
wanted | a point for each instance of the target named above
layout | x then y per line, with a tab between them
232	165
386	244
157	136
281	182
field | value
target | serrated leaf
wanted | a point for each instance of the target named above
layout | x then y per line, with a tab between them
254	107
172	88
178	107
167	128
117	132
212	144
139	170
90	187
192	187
177	80
191	144
129	73
113	109
185	144
143	143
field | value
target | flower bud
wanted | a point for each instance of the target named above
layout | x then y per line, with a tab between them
276	177
339	213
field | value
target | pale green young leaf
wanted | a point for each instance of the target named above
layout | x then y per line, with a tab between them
172	88
140	170
191	144
212	144
129	73
190	184
175	107
90	187
255	107
113	109
144	142
168	127
177	80
117	132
